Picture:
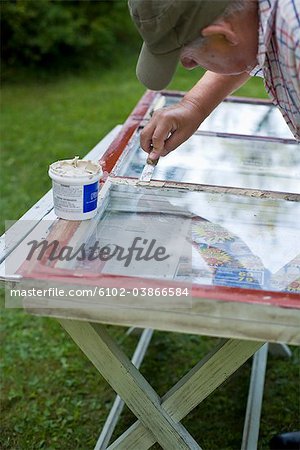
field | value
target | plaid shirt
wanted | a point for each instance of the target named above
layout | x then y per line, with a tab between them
279	56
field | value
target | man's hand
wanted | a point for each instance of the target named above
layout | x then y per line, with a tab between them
170	127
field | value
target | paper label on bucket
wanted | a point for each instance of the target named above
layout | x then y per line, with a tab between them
67	197
90	195
82	199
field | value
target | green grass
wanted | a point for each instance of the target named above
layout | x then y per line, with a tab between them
52	397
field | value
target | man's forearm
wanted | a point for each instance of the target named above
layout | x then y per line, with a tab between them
211	90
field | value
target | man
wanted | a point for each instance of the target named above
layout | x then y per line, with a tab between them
232	39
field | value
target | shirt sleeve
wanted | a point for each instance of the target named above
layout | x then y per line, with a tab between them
288	37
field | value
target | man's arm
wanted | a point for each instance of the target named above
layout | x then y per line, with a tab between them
170	127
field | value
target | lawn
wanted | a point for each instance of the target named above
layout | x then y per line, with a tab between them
52	397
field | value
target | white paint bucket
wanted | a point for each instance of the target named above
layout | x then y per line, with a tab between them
75	184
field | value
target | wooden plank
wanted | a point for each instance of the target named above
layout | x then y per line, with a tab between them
117	408
20	229
211	188
129	383
222	319
192	389
255	397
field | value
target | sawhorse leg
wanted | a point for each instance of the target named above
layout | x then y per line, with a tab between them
159	418
118	404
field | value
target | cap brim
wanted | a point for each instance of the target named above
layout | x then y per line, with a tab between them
156	71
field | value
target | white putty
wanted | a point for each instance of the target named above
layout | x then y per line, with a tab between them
76	168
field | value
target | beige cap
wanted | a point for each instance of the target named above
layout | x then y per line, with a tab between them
165	26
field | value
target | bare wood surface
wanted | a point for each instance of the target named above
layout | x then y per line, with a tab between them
257	193
128	382
192	389
117	408
212	318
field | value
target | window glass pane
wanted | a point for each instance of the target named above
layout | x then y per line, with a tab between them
223	161
232	240
243	118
